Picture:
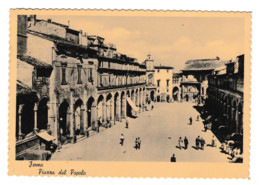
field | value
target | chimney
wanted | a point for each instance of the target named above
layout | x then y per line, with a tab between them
21	34
49	20
68	23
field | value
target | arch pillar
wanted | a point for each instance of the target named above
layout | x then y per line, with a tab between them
35	109
72	116
20	110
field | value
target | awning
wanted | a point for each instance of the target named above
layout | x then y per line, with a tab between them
132	104
45	136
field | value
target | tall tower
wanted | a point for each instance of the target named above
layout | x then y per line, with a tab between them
151	88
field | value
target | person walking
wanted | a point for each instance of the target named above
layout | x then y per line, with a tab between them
139	143
173	158
213	141
202	142
197	142
190	120
126	123
180	141
136	143
186	142
122	138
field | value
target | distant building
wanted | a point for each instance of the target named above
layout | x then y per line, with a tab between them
225	95
176	92
163	80
194	82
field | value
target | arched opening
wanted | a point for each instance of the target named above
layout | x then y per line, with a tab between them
175	93
27	120
42	114
168	98
116	107
140	98
133	96
90	112
78	113
63	117
101	109
109	107
152	96
137	98
123	105
186	98
158	98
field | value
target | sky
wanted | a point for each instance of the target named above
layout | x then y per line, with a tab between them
170	40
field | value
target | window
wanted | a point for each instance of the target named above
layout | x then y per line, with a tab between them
90	75
158	83
167	82
63	74
79	74
158	70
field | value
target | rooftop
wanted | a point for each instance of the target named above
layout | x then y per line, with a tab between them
163	67
33	61
203	64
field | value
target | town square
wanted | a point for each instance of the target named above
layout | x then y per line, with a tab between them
79	99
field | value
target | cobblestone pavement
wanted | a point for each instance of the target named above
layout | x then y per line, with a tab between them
159	131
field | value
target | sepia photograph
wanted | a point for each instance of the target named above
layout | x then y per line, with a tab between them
130	88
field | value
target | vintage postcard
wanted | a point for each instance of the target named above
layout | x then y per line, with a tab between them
102	93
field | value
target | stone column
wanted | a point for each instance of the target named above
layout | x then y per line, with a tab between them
112	110
103	111
72	116
35	109
96	117
20	110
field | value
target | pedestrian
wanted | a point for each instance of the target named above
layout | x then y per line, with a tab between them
213	141
197	142
202	142
100	121
139	143
205	127
173	158
122	138
136	143
198	117
180	141
126	123
190	120
186	142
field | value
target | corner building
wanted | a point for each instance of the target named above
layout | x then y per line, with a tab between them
78	83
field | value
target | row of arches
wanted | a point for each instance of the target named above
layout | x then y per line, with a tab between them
32	115
230	106
97	111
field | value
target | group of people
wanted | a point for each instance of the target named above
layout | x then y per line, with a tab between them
234	151
183	141
200	143
137	143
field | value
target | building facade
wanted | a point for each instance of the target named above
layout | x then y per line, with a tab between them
225	95
163	80
176	90
194	78
150	80
71	84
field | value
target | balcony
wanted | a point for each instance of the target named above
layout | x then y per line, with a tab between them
122	69
100	87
